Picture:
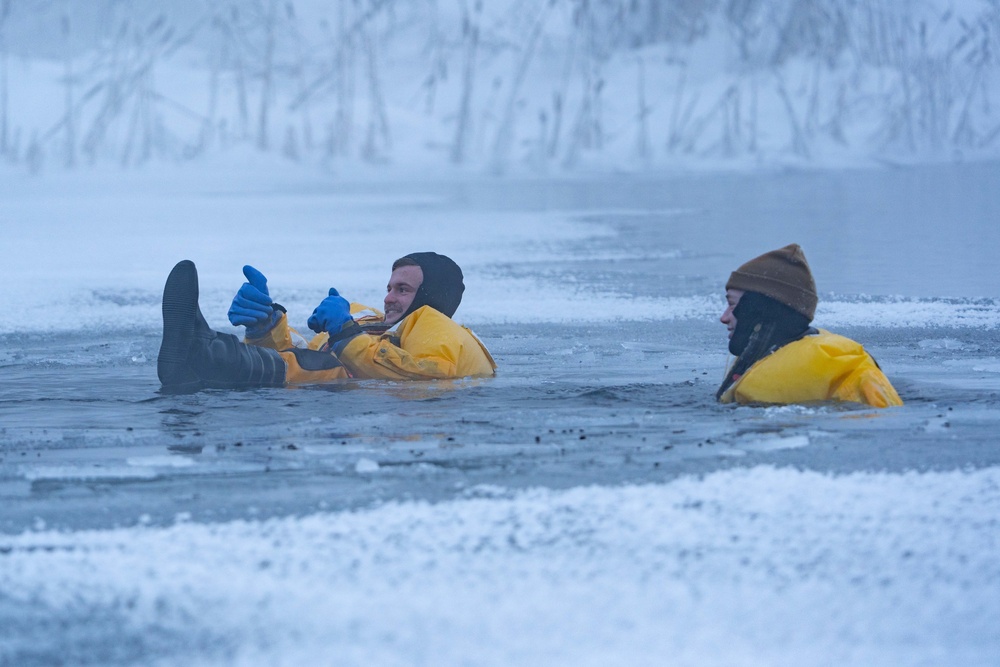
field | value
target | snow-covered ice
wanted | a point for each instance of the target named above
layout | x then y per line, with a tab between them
760	566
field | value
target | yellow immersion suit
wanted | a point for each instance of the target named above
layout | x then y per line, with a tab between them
819	367
426	345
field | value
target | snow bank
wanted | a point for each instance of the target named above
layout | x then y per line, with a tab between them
759	566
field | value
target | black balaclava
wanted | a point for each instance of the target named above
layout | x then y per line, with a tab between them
442	287
762	326
754	308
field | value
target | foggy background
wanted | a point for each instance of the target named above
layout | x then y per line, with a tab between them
533	86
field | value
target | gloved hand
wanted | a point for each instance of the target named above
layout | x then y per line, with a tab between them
331	314
252	306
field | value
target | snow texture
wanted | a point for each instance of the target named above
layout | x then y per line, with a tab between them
762	566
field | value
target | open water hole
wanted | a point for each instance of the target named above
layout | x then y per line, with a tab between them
87	441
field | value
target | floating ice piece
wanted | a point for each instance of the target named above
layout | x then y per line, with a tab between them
366	465
775	443
162	461
487	491
793	408
34	473
944	344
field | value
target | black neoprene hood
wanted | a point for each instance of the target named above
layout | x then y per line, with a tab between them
757	309
443	284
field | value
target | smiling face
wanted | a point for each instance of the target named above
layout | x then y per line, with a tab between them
728	318
402	288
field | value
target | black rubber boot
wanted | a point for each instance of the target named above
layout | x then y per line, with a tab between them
180	314
193	356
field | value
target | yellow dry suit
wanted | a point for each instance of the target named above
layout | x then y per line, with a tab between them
424	345
817	367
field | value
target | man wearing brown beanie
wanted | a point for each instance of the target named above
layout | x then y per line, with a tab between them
780	358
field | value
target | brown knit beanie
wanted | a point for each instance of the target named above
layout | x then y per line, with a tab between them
781	274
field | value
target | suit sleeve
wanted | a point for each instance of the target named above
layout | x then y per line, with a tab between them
427	346
284	337
876	390
280	337
380	357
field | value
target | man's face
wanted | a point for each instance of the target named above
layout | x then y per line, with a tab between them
732	298
402	287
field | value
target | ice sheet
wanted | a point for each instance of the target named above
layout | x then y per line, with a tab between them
761	566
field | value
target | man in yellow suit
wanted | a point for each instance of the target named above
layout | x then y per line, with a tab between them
415	338
780	358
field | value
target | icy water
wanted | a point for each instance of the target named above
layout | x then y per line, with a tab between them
88	442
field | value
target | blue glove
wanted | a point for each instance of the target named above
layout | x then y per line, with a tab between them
252	306
331	314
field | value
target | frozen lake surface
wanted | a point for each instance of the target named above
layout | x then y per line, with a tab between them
592	504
